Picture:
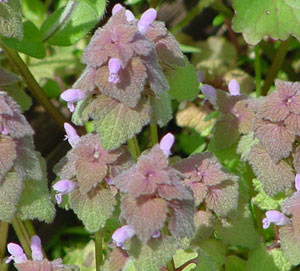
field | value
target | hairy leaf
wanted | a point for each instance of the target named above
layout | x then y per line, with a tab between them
275	178
204	224
292	123
296	159
235	263
19	95
280	260
116	122
10	190
8	154
161	109
276	18
8	78
245	144
93	208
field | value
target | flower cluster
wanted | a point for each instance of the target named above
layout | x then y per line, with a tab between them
154	191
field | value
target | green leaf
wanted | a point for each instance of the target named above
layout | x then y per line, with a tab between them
34	10
211	255
259	259
115	122
189	49
97	5
31	44
245	144
280	260
276	18
162	110
183	82
94	208
10	191
11	19
52	88
235	263
182	256
19	95
69	24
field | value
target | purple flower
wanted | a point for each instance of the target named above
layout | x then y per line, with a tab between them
129	15
234	87
72	96
166	144
63	187
210	93
122	234
200	76
17	253
114	65
297	182
274	217
4	130
156	234
147	18
36	248
117	8
71	135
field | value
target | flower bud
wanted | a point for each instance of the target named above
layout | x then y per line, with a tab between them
297	182
63	187
122	234
72	96
116	8
36	248
156	234
71	135
166	144
147	18
234	87
114	65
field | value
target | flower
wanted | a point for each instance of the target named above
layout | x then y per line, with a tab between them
297	182
114	65
166	144
17	253
71	135
122	234
63	187
36	248
147	18
274	217
234	87
72	96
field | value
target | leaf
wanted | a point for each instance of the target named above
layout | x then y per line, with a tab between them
290	244
280	260
245	144
275	18
235	263
8	78
260	259
183	82
161	109
153	255
296	159
31	44
7	155
34	10
116	122
10	191
11	19
19	95
205	225
97	5
69	24
94	208
182	256
35	201
144	214
275	178
52	88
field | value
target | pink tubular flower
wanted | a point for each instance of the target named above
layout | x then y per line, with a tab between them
122	234
17	253
63	187
114	65
234	87
71	135
72	96
274	217
147	18
297	182
166	144
129	15
36	248
116	8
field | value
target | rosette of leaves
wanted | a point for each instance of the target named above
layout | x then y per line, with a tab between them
89	165
120	109
23	185
153	194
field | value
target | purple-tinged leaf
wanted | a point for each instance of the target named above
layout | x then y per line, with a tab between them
86	81
274	177
144	214
290	244
115	122
117	259
17	126
176	191
8	78
292	123
296	159
199	189
204	224
93	208
182	218
275	137
223	198
29	265
131	83
244	116
8	154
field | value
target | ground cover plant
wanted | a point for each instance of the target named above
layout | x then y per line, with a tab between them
147	135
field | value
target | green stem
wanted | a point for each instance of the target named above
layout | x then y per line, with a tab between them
275	66
154	136
137	148
4	226
29	226
171	265
22	235
191	15
153	3
132	149
257	70
33	85
221	8
98	249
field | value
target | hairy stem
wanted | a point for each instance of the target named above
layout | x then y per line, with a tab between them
191	15
98	249
33	85
275	66
4	226
132	149
257	70
22	235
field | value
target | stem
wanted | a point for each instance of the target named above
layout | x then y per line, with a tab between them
153	3
221	8
191	15
154	136
132	149
257	70
4	226
29	226
98	249
22	235
275	66
137	148
171	265
180	268
33	85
